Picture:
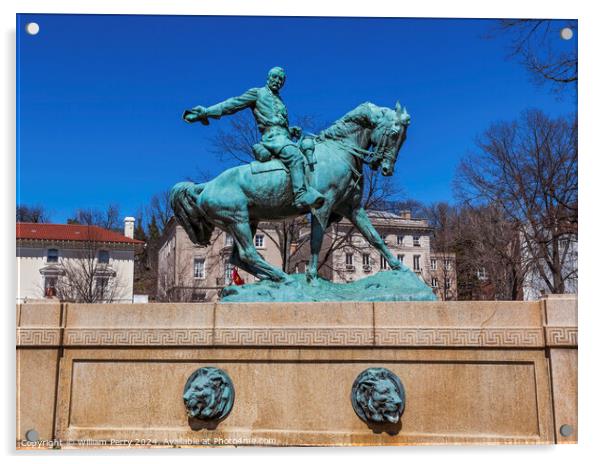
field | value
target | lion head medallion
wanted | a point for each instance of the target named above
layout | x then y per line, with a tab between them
208	395
378	396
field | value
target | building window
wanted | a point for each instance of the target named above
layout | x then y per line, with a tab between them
416	262
349	259
400	239
229	240
366	259
103	257
416	240
400	258
259	240
52	255
199	268
384	237
433	264
50	284
447	264
434	282
101	284
383	262
447	283
481	273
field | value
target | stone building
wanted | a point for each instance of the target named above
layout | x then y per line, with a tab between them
442	275
188	272
59	260
408	238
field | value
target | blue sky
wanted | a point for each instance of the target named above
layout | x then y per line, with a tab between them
100	97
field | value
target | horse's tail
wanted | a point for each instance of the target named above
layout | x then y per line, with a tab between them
188	213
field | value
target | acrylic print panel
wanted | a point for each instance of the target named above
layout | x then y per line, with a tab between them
313	202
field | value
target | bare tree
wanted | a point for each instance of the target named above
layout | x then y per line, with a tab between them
110	218
150	227
289	235
160	208
32	213
84	277
538	45
490	259
527	169
495	247
383	194
235	142
146	262
443	217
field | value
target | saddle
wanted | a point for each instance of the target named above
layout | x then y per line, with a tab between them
258	167
266	163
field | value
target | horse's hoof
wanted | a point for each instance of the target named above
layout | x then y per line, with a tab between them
313	280
396	266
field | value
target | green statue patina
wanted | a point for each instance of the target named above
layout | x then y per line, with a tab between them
208	395
276	136
378	396
293	175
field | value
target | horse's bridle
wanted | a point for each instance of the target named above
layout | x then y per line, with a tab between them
371	157
381	153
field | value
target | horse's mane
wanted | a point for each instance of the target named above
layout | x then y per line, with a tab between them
364	115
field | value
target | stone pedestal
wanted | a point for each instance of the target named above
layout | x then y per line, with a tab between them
473	372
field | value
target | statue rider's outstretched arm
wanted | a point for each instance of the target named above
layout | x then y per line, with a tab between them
233	105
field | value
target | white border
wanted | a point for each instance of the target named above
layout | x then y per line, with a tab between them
589	135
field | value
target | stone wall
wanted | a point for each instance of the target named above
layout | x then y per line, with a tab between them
473	372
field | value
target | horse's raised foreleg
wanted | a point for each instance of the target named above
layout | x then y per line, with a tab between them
360	219
250	258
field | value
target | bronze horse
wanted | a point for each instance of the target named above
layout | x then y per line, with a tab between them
238	199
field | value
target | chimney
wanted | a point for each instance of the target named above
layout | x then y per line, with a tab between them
405	214
128	228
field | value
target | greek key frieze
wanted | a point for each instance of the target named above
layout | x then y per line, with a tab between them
561	336
38	336
287	336
138	336
442	336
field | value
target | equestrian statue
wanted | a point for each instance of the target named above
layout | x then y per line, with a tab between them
294	175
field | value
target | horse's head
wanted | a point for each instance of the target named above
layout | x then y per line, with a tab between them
388	137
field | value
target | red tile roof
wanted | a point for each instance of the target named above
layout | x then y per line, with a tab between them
77	232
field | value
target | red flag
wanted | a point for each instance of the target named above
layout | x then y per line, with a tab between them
236	278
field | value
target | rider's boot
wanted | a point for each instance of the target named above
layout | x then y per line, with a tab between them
304	196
